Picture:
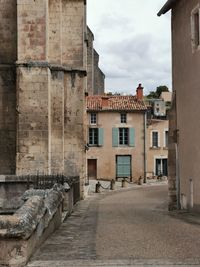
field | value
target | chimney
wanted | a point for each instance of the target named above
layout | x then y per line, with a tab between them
140	92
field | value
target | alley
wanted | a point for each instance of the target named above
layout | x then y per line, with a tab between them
128	228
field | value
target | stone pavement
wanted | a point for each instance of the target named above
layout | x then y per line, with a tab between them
128	228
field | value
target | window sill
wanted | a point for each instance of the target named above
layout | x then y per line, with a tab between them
165	148
155	148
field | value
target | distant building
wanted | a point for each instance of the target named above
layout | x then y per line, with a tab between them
116	136
157	135
184	155
95	76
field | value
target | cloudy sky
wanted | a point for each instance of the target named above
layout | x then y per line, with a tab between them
134	44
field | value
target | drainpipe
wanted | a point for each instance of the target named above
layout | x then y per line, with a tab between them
191	194
145	157
177	179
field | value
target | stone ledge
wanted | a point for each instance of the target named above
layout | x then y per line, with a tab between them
53	67
25	220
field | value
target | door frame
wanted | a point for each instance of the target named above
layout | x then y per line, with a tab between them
159	157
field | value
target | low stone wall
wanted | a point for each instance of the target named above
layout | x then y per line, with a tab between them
31	224
11	190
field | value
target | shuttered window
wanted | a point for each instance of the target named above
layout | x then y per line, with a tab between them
123	137
96	136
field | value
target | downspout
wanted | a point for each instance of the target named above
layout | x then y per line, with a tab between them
145	157
177	178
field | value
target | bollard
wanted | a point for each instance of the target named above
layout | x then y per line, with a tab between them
98	186
112	185
140	181
123	183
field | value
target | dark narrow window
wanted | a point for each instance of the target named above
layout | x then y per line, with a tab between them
154	139
123	136
166	138
196	29
93	136
123	118
93	118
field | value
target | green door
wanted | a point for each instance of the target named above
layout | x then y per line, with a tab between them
123	166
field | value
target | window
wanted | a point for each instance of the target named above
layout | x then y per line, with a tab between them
123	136
93	136
123	118
195	27
166	138
154	139
96	136
93	118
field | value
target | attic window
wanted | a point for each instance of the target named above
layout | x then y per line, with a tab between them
195	21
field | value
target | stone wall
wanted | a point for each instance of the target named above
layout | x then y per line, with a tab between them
99	77
8	31
8	55
22	232
90	62
47	96
95	77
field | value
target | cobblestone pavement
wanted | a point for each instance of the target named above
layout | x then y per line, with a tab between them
128	228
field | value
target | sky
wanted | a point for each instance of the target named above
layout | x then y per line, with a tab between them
133	43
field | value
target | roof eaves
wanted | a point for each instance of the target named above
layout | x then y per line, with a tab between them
168	5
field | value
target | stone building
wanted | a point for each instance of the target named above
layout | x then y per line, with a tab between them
95	77
116	136
184	183
43	58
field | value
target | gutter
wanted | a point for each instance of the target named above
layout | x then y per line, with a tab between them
168	5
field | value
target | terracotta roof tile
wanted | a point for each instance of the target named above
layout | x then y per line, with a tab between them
115	103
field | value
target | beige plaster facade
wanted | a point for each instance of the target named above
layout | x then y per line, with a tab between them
186	113
43	57
157	156
106	155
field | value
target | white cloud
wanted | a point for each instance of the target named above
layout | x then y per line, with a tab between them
133	43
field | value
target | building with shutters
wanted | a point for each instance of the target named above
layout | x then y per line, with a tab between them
116	128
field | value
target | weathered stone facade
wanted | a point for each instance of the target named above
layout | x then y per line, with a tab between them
42	86
95	77
99	77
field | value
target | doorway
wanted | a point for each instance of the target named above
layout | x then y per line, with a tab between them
161	167
92	169
123	166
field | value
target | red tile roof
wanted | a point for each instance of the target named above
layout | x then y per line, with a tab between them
115	103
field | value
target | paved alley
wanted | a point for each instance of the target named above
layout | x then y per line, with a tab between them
127	228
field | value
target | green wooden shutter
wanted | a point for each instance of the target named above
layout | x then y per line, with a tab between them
123	166
100	136
131	137
115	137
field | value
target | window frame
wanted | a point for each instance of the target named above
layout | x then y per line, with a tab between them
92	120
95	139
166	140
195	32
123	136
158	139
123	117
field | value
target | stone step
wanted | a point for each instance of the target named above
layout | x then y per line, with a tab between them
115	263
